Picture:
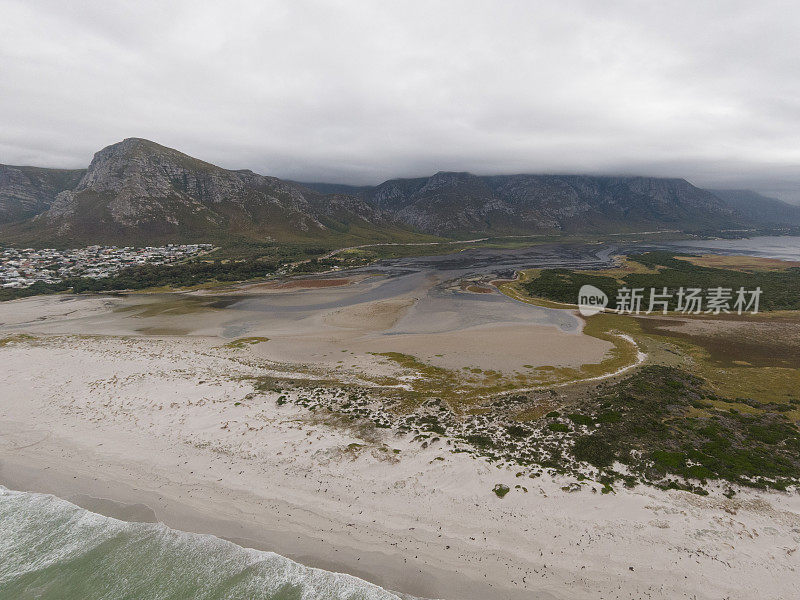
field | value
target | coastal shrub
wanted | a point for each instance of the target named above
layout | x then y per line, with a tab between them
579	419
609	416
558	427
594	450
431	423
517	431
480	441
644	422
501	490
670	460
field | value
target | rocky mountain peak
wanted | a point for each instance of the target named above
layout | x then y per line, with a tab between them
139	191
140	168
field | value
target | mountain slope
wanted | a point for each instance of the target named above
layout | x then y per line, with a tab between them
137	191
462	203
28	191
760	210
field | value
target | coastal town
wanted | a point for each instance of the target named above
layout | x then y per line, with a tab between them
22	267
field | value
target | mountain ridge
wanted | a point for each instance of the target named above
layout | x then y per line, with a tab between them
760	208
138	191
460	202
27	191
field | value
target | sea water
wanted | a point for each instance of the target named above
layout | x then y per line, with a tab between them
52	549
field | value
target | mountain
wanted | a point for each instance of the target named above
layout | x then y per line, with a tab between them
137	191
760	210
461	203
28	191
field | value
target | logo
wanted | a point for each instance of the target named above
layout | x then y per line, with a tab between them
591	300
634	301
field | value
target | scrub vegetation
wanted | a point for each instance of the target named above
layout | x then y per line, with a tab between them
245	342
668	428
658	270
660	426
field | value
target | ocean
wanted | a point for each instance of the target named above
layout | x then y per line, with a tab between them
53	549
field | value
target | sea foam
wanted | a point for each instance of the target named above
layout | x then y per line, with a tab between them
50	548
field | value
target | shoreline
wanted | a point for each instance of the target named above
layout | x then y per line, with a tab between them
118	503
132	490
56	467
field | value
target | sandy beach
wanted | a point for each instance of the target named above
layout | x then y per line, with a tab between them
173	429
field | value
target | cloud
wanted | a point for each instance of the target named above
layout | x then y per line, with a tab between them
361	91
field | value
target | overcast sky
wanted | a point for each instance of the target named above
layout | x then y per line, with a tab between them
360	92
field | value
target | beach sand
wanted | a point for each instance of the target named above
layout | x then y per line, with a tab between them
172	428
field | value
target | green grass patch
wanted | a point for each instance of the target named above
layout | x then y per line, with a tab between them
501	490
246	341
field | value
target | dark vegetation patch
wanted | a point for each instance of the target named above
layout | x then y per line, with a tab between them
558	427
501	490
579	419
665	425
518	431
780	289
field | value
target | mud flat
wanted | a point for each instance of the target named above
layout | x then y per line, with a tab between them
330	322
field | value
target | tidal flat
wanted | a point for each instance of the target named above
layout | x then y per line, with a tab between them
412	307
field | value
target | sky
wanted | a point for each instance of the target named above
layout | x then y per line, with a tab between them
363	91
